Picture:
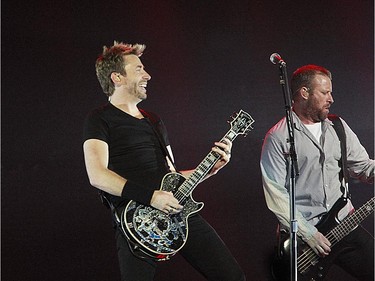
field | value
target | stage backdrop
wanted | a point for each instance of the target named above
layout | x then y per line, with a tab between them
207	59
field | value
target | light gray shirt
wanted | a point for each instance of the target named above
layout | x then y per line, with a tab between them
318	184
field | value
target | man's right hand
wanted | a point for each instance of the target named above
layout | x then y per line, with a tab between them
165	202
320	244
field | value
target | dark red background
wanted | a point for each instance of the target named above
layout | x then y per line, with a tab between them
207	59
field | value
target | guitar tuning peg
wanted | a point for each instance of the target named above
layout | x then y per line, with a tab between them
232	117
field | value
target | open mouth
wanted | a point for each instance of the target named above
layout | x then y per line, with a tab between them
143	87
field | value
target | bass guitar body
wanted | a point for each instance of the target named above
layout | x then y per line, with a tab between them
310	266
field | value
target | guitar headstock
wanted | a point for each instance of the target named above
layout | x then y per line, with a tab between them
241	123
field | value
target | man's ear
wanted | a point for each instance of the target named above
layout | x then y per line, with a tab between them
304	93
116	77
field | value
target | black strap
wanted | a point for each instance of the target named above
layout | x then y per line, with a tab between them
156	123
340	131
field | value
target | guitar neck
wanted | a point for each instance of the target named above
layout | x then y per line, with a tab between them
204	167
350	222
240	125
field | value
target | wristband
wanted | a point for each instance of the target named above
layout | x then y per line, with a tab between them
134	191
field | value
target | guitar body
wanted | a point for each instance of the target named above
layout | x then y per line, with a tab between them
160	235
152	233
310	267
281	267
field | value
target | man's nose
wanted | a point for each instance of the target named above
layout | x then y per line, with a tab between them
330	99
147	76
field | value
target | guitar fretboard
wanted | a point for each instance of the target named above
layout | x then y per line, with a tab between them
350	222
202	170
240	125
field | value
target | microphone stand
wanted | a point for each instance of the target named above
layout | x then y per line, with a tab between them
294	171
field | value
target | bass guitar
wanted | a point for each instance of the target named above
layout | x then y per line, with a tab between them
154	234
310	266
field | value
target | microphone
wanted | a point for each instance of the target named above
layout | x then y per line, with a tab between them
276	58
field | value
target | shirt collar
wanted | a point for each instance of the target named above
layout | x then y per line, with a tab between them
299	125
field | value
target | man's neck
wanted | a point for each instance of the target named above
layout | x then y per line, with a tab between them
305	118
130	107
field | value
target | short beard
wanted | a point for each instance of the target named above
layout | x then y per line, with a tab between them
317	115
322	115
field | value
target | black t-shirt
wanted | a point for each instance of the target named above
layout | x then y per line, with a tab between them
135	152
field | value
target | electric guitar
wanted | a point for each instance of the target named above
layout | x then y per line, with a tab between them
154	234
310	266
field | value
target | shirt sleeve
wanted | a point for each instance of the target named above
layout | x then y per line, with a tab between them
95	127
359	164
274	166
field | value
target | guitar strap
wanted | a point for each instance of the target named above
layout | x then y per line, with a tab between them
157	125
340	131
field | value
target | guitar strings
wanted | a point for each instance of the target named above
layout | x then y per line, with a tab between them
203	168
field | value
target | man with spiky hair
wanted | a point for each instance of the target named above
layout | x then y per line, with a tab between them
126	160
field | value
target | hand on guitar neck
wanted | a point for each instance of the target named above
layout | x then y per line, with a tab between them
320	244
167	203
223	148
